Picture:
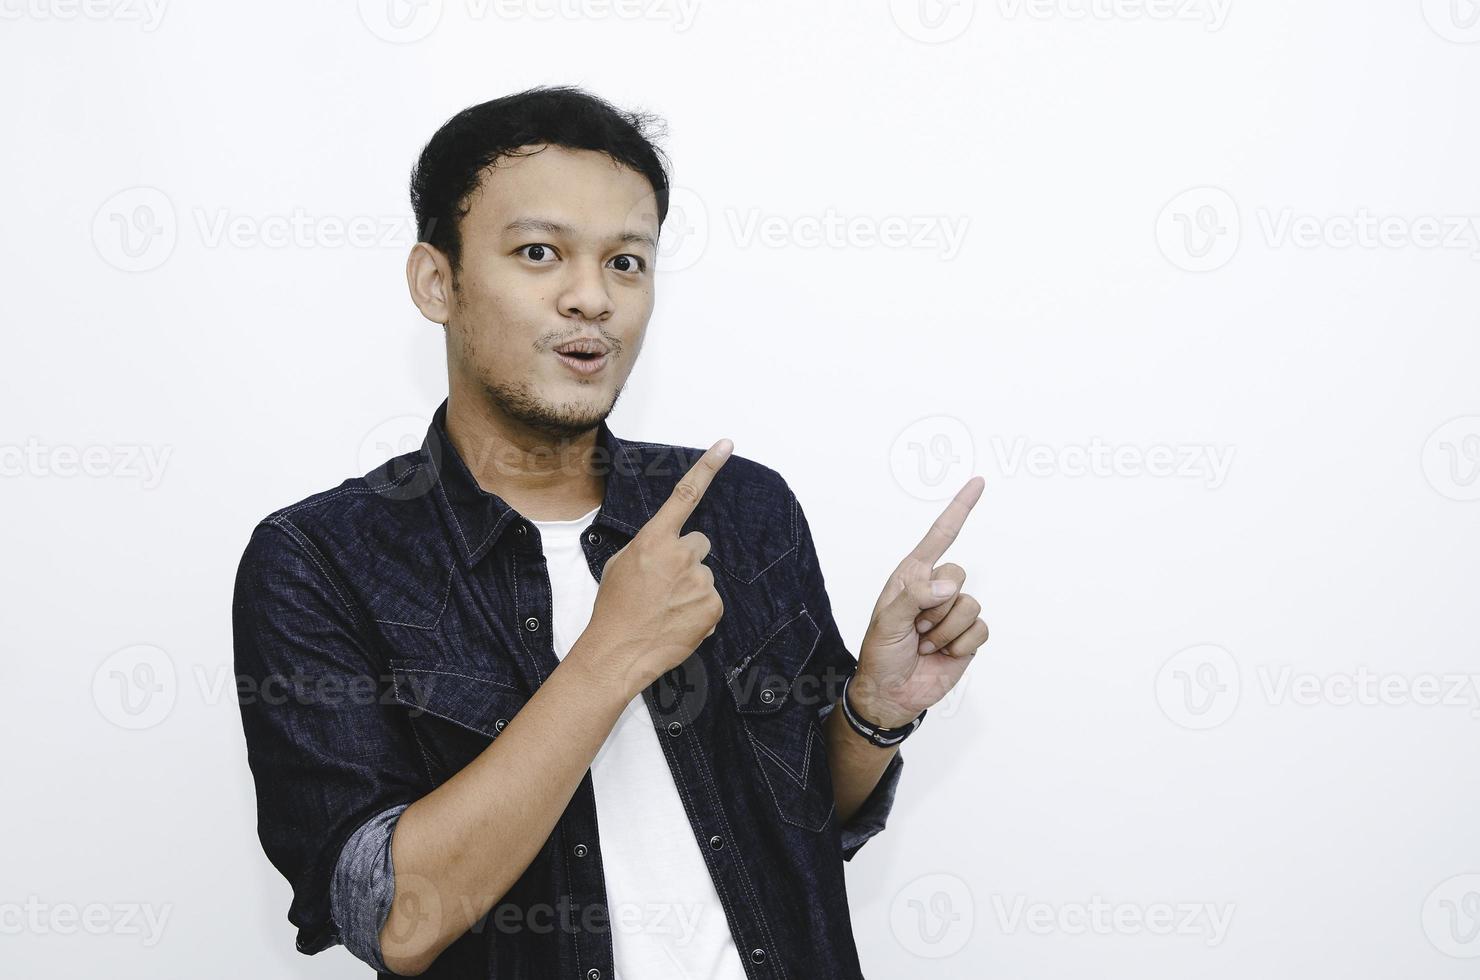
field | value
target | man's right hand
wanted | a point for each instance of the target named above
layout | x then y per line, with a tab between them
657	601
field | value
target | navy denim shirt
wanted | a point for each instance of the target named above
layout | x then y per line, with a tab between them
388	629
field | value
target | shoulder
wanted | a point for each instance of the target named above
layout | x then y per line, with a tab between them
358	515
748	513
742	483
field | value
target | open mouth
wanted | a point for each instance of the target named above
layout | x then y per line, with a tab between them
584	362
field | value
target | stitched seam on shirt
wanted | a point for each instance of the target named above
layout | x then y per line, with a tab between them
799	778
625	526
453	673
524	642
377	488
486	538
396	689
441	608
312	552
689	805
524	633
707	779
425	761
456	524
781	810
461	724
735	670
637	482
570	886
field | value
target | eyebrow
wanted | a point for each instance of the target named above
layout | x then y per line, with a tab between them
556	228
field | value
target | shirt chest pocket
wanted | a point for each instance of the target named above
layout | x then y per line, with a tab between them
455	711
775	700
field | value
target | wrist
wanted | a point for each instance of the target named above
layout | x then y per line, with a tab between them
871	705
877	735
606	666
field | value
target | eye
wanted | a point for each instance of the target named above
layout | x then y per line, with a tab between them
633	263
537	253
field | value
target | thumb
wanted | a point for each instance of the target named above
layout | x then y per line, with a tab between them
917	595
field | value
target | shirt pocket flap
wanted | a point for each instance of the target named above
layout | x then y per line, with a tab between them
476	700
763	680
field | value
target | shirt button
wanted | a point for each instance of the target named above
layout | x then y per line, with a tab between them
757	955
674	728
498	726
531	624
594	537
768	696
716	842
520	529
593	974
580	850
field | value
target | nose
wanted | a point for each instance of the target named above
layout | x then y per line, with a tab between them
585	294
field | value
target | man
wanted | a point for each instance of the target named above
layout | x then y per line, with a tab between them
550	703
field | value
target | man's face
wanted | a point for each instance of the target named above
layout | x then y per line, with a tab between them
557	246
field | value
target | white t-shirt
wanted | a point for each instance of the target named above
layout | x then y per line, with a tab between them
666	918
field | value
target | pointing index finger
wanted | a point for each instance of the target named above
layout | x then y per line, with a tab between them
690	490
936	540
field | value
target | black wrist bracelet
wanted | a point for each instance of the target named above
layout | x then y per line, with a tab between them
882	737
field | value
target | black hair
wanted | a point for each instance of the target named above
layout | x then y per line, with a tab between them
453	161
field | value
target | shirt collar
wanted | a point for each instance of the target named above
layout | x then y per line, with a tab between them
479	518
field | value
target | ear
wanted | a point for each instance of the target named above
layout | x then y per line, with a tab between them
429	277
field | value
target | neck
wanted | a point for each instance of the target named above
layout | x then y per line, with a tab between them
543	477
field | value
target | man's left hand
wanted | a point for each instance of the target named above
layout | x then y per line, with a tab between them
918	643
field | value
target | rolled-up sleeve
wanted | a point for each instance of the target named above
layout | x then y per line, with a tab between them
364	885
327	750
834	664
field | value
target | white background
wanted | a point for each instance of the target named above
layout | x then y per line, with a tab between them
1240	231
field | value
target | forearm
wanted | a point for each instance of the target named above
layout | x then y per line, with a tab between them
461	847
856	763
